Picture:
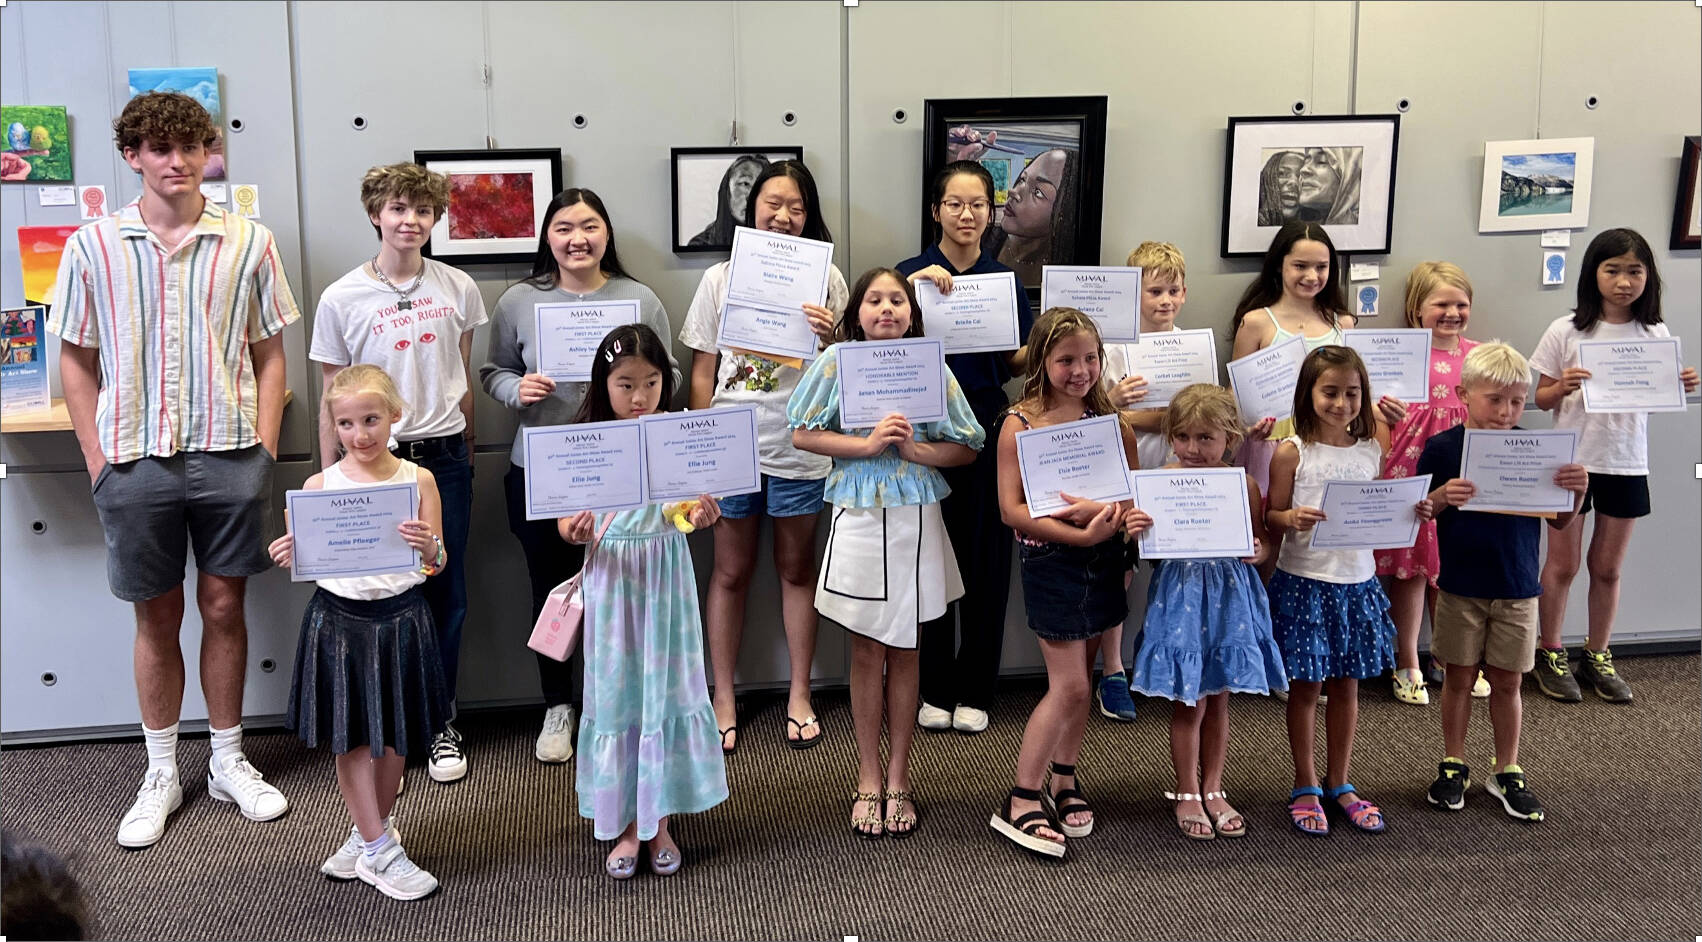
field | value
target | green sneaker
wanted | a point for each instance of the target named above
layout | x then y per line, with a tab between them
1554	676
1597	668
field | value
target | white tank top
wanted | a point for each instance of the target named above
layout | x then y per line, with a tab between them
1361	461
390	584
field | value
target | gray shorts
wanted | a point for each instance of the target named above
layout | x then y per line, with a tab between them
152	508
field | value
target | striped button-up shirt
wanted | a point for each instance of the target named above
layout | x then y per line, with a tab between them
174	327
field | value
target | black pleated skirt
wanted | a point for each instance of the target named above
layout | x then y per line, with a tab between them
368	673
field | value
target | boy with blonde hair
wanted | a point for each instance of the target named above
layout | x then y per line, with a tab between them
1486	606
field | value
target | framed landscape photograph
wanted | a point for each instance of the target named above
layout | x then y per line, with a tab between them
1047	158
1337	171
711	187
1533	185
497	200
1687	209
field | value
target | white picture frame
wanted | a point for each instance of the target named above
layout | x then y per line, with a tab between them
1343	177
1532	164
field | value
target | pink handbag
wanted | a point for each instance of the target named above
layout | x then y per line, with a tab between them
557	630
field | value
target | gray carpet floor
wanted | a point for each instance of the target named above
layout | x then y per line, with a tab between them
1618	856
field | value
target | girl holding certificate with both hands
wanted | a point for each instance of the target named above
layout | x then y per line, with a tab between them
889	563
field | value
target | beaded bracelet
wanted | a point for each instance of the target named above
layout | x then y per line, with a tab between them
437	563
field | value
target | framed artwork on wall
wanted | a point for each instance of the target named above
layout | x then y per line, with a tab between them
1337	171
1686	207
497	200
1047	158
1534	185
711	187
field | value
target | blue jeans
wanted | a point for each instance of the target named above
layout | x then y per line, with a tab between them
446	592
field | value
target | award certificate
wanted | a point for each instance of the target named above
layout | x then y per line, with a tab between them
1513	470
1370	515
588	466
1398	361
880	377
351	531
1196	513
769	280
978	316
712	451
1109	295
1171	361
1084	459
1264	382
569	334
1632	375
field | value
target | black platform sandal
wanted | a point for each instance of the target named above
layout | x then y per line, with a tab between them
1068	801
1025	831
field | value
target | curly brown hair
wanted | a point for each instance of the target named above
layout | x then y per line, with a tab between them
409	181
162	116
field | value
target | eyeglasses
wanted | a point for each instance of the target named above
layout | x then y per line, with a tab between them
955	207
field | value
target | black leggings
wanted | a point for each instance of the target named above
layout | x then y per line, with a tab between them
549	561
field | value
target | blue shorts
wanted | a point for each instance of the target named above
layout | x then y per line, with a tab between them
779	497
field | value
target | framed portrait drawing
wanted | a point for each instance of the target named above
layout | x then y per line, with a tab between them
1338	171
712	187
1533	185
497	200
1047	159
1686	208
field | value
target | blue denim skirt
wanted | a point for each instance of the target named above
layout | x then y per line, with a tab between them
1073	593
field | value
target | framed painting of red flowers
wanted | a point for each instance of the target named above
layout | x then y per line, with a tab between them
497	200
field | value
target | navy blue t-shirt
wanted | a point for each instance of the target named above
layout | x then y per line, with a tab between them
981	375
1484	555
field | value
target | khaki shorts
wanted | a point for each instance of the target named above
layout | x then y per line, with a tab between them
1499	632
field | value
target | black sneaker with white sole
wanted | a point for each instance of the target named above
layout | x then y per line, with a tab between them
448	762
1509	786
1448	792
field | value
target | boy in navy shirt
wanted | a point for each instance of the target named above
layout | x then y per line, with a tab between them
1486	606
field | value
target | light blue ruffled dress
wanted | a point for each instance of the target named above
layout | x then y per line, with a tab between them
1207	631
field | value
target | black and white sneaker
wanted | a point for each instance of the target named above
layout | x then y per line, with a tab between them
448	763
1509	786
1448	792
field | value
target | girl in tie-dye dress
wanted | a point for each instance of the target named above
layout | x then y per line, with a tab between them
648	747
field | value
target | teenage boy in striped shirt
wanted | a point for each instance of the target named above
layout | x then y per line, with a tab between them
171	313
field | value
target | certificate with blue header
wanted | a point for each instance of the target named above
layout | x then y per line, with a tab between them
1370	515
569	333
351	531
1109	295
769	280
1197	513
1396	359
978	316
1264	381
880	377
1514	470
1084	458
710	451
1170	362
1632	375
587	466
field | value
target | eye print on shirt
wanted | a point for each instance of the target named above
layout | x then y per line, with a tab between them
427	338
402	344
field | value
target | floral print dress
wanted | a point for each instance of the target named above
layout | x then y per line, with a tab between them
1443	411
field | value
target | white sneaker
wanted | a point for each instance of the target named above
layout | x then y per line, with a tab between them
394	874
240	782
341	865
932	717
159	796
448	763
966	719
555	741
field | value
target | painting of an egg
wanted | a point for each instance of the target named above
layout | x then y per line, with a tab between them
18	136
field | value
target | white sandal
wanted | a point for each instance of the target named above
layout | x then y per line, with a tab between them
1218	819
1183	822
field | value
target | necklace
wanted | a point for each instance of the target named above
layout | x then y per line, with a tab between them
402	297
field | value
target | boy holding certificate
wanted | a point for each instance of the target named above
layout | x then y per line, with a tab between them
1486	606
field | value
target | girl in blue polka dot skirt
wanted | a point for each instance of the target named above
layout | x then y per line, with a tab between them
1328	612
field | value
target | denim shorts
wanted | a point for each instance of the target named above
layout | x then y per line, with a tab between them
152	509
779	497
1073	593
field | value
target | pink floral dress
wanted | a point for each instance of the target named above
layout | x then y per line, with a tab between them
1406	443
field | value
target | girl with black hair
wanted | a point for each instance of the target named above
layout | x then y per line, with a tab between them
576	262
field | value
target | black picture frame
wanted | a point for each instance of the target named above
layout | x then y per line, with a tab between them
501	207
1028	125
1347	161
1685	234
694	229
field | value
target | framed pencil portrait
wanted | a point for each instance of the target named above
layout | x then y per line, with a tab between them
1687	208
711	190
497	200
1047	160
1337	171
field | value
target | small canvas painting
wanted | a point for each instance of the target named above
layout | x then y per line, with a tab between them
39	248
201	84
1532	184
38	144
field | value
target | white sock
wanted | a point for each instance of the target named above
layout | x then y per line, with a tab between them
373	847
227	743
162	747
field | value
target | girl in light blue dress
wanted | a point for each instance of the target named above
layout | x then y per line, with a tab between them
1208	629
648	747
